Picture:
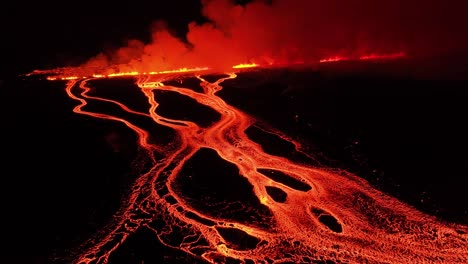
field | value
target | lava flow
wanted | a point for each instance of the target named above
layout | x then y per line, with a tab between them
270	210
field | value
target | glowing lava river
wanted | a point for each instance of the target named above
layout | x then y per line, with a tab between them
208	190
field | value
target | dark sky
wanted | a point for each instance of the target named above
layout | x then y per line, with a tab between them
45	34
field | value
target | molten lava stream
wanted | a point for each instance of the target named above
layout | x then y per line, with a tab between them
314	214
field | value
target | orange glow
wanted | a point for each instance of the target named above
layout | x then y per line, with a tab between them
244	65
337	217
123	74
150	84
372	56
383	56
333	59
59	74
70	78
181	70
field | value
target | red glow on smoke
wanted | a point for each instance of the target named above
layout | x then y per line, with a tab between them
281	33
383	56
333	59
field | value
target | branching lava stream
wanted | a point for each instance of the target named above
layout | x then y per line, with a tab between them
296	213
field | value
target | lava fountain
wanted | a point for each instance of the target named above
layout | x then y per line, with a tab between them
283	211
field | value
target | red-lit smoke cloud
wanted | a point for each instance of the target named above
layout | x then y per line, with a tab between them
284	31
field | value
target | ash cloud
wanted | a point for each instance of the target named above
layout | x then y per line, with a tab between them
285	31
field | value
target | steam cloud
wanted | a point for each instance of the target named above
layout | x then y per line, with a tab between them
285	31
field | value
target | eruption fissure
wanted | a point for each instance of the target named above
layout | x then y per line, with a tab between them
70	73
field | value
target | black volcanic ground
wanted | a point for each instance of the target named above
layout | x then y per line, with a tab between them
64	174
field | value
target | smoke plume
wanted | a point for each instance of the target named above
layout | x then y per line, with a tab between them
288	31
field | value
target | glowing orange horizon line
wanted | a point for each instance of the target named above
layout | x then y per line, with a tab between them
372	56
136	73
133	73
245	65
334	59
382	56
